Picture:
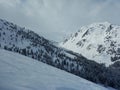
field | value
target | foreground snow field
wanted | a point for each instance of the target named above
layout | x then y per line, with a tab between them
18	72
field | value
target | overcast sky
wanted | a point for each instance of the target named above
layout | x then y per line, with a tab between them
56	19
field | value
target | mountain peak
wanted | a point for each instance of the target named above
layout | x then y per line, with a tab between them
99	24
97	41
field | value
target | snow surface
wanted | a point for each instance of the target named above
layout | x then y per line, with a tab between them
18	72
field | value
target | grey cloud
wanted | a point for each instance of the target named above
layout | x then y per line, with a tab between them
54	19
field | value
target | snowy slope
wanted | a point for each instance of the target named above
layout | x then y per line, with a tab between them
18	72
98	41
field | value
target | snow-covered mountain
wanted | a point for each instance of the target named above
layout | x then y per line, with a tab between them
23	41
26	42
98	41
18	72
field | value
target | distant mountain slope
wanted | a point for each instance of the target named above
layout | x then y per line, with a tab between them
99	42
28	43
18	72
